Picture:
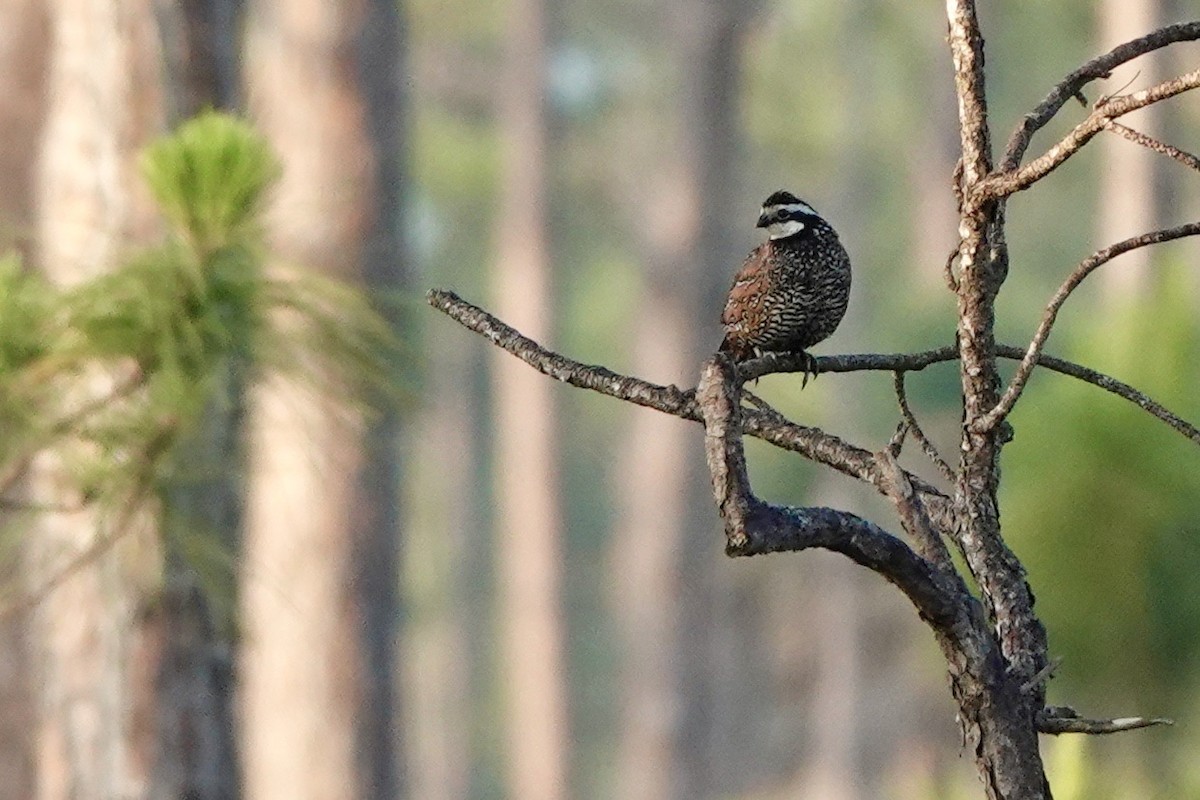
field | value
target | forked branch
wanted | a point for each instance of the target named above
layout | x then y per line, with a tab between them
1077	276
753	527
770	426
1096	69
1006	182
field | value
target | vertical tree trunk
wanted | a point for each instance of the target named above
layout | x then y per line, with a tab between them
1127	193
438	568
529	548
304	666
197	751
663	601
94	732
381	71
24	40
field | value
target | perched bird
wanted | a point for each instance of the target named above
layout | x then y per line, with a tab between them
792	290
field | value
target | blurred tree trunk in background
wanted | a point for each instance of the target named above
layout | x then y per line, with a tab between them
382	67
95	662
203	55
529	547
930	156
23	52
1128	194
317	593
437	564
197	751
666	580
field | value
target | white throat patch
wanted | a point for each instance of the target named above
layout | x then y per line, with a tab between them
782	230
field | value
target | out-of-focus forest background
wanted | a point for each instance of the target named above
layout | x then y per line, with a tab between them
509	588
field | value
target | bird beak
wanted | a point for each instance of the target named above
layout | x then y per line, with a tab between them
764	219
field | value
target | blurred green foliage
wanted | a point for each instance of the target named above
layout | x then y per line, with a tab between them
1103	504
154	338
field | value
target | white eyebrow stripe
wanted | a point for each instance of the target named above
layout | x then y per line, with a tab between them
802	207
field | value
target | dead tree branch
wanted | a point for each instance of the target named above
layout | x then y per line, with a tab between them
1006	182
1056	720
989	701
753	527
770	426
1007	758
911	511
1077	276
914	427
1170	151
1072	85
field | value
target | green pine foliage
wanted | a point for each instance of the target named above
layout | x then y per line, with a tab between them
162	332
211	178
26	301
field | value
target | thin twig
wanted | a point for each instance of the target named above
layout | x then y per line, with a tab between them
911	511
1085	268
1170	151
1005	182
948	269
927	446
913	362
1055	720
1044	674
896	443
1072	85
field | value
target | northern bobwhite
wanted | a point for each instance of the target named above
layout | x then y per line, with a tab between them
792	290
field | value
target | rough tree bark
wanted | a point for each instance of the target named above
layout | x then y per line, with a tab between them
196	752
994	645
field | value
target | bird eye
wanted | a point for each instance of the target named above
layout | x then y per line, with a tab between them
783	214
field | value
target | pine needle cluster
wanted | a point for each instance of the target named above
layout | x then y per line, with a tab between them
154	341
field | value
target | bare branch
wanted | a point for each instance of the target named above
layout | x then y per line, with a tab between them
772	363
927	446
1056	720
1119	388
1006	182
1085	268
1073	84
966	49
914	362
1137	137
668	399
765	423
824	448
769	425
911	511
753	527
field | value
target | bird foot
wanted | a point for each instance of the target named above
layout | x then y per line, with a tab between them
809	368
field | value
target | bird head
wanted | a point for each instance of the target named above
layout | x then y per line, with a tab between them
784	214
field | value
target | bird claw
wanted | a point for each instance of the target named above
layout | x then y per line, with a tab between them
809	370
